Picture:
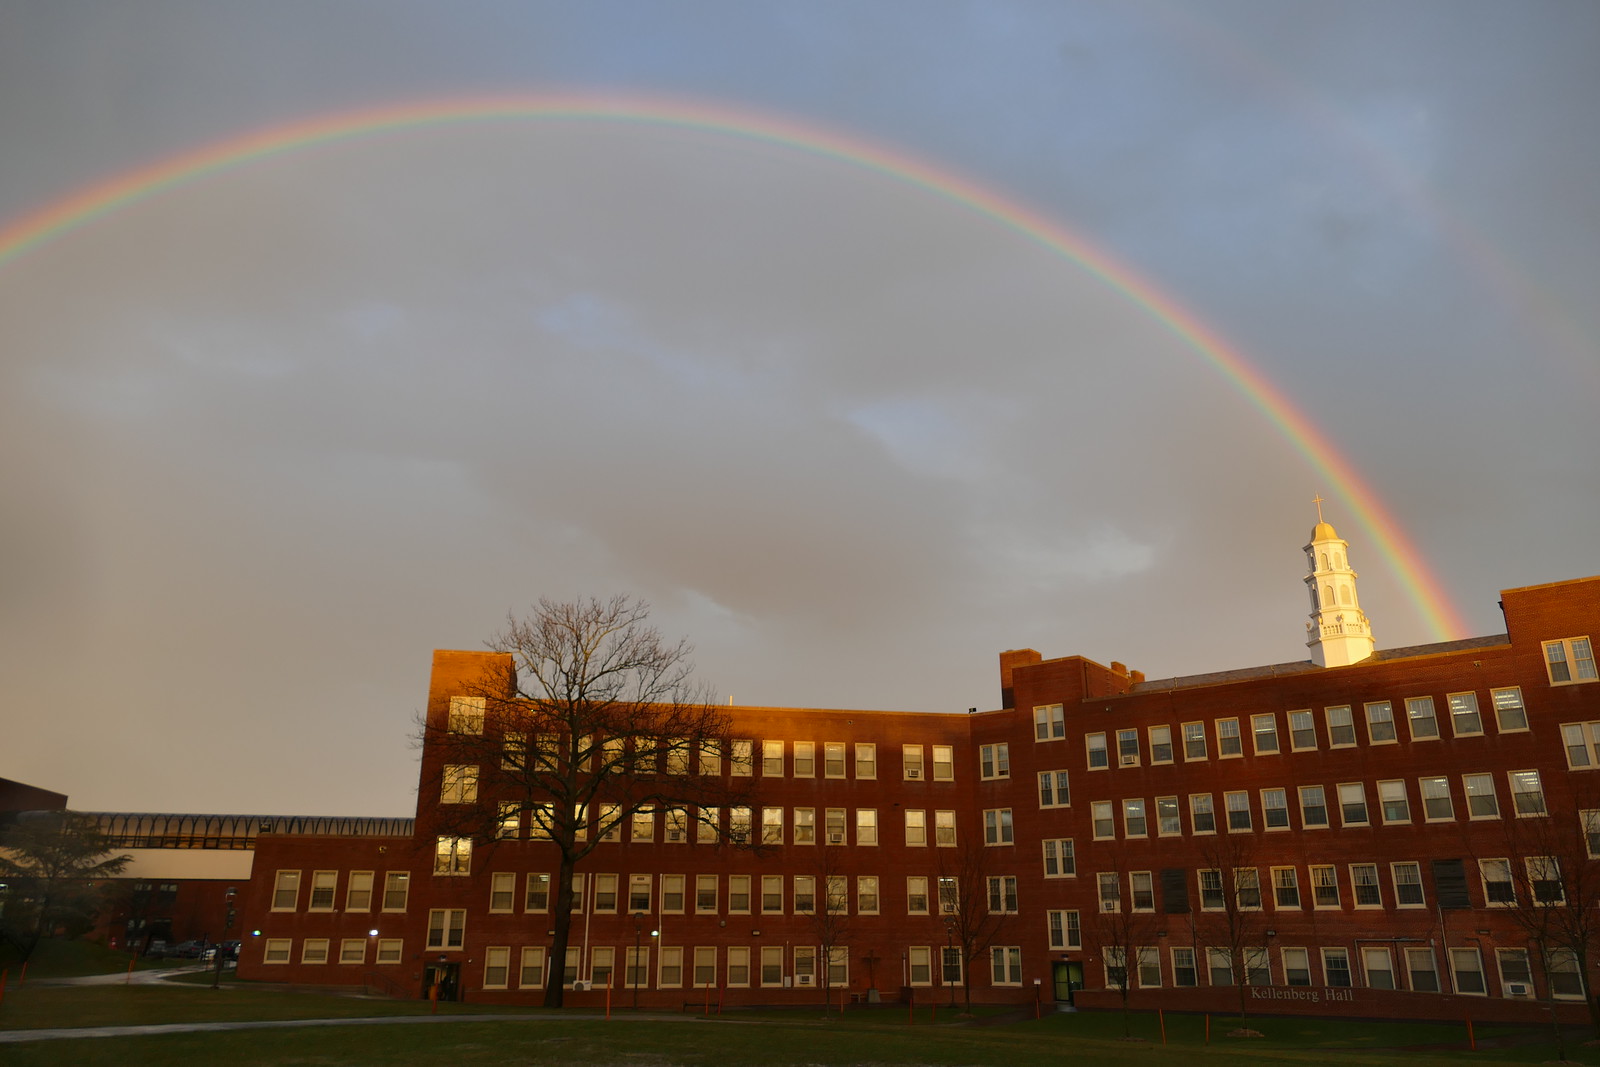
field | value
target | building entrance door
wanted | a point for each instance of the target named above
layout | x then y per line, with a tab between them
447	976
1067	977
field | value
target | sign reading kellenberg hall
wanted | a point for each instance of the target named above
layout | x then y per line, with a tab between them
1310	996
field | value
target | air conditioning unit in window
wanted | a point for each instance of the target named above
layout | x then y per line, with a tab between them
1518	989
805	979
582	987
835	839
1130	761
948	908
676	835
913	773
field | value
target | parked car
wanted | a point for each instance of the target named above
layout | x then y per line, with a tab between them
188	950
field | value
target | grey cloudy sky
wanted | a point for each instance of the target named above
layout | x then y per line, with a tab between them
273	434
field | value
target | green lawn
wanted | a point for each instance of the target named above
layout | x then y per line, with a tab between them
780	1038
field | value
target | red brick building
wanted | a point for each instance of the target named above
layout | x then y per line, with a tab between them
1369	833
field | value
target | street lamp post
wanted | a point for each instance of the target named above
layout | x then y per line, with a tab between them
227	924
638	933
944	964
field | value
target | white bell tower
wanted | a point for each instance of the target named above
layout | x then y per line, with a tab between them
1338	632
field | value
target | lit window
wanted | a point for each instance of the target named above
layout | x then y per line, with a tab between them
1464	718
458	784
866	826
1569	661
944	829
772	759
1509	711
805	826
453	855
833	759
1380	722
1420	714
772	826
741	757
466	715
805	759
916	827
944	766
866	760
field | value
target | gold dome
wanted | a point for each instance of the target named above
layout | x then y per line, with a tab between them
1323	532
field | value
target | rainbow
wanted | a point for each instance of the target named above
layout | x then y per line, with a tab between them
79	209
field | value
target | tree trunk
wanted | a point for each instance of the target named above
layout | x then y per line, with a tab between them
555	976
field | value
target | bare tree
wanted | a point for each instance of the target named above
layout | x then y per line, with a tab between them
1230	916
830	912
54	866
974	902
591	719
1125	922
1550	879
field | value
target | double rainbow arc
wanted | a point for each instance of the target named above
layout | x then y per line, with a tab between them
77	210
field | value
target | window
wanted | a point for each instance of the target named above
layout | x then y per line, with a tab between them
1544	881
1097	754
919	962
1464	718
805	894
1285	887
944	763
1053	789
705	894
1167	821
391	950
1238	804
916	895
866	760
510	821
709	760
1514	966
1570	661
1380	722
541	818
772	826
1110	893
537	894
949	895
1379	967
771	894
997	826
739	822
741	758
944	829
771	966
1275	808
805	826
677	821
1183	968
1211	895
1421	970
1302	731
1247	888
1364	884
1060	861
458	784
452	855
672	894
708	825
1566	980
314	950
605	893
1002	894
867	894
1527	793
866	826
1134	823
1229	743
446	928
1341	726
502	891
1324	886
1420	715
532	971
1105	826
669	974
1005	965
1509	712
642	827
1589	822
1497	886
1220	965
1065	929
738	965
833	759
1127	748
994	761
1265	729
1436	803
1407	884
805	759
1142	890
1149	962
772	759
1352	804
738	894
466	715
1393	802
1313	807
916	827
1481	800
1049	723
358	896
496	967
1202	816
911	762
1160	744
705	967
396	888
1336	967
286	891
1582	742
1467	965
833	825
610	822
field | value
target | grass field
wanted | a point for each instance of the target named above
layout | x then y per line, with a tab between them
780	1038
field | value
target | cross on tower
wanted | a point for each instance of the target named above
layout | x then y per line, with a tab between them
1317	500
